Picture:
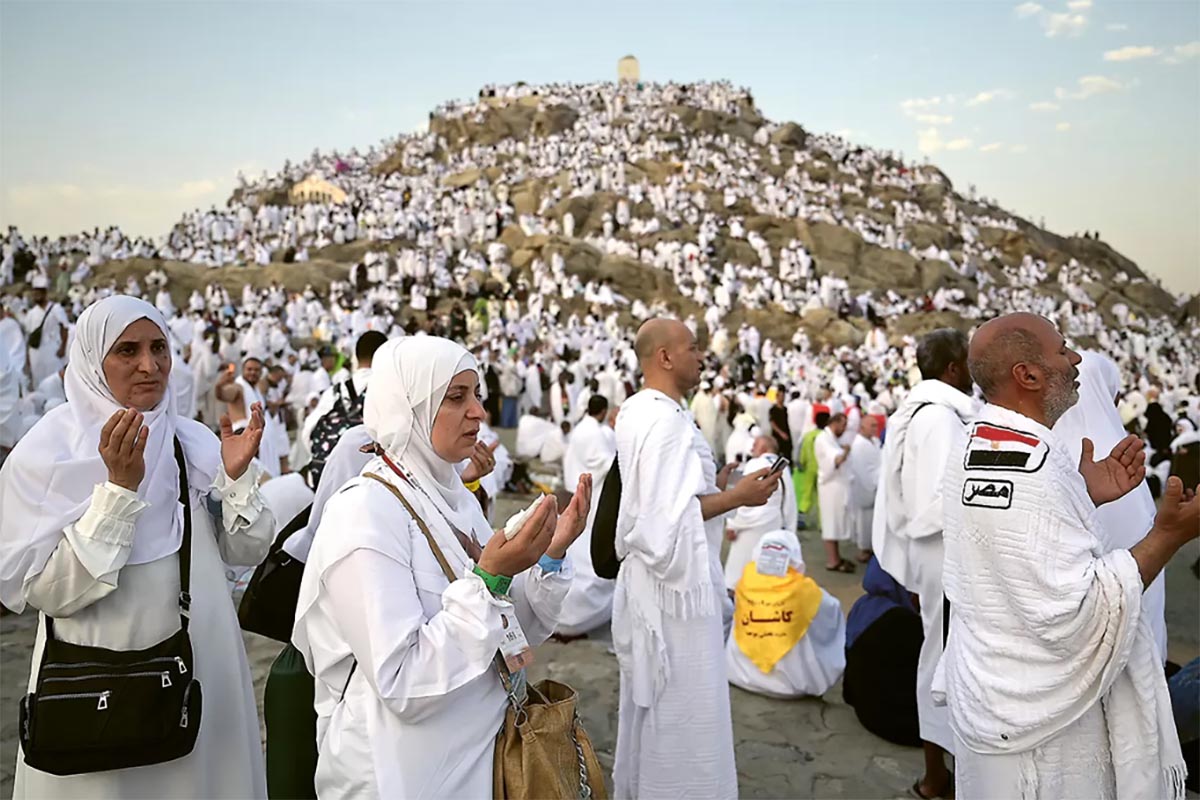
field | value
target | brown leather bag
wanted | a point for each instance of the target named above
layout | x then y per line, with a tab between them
542	751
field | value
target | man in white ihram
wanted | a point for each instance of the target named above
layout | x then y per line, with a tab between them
907	532
591	449
674	730
1050	672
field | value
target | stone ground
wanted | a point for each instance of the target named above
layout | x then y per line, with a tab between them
813	747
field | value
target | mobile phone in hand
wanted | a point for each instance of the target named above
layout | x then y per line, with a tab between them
778	467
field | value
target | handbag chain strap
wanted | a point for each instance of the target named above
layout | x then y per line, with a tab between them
185	548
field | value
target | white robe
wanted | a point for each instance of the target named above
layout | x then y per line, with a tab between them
44	360
227	761
833	488
674	728
420	713
1051	674
268	451
588	603
863	462
907	529
814	663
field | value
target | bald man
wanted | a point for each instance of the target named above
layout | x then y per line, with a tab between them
674	731
1050	673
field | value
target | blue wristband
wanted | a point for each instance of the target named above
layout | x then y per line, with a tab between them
549	564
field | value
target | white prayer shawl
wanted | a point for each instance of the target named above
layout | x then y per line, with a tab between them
896	523
667	558
667	611
1045	624
47	481
1123	522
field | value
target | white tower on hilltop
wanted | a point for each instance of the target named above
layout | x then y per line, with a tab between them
627	70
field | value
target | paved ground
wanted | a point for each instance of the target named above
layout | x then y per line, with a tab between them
812	747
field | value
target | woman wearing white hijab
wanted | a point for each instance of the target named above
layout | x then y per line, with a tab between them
101	556
408	702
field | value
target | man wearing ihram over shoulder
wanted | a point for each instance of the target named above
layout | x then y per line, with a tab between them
1050	672
674	734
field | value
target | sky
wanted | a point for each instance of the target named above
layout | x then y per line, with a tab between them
1081	113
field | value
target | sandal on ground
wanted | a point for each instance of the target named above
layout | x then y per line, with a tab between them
914	791
842	566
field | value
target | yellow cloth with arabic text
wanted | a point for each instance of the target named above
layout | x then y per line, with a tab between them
772	613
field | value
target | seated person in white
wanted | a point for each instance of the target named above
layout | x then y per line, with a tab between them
789	635
748	524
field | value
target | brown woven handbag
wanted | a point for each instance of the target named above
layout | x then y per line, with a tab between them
542	751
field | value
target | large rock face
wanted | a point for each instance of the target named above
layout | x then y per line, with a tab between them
763	154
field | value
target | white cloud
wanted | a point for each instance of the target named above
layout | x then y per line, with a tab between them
1043	106
930	141
1116	27
1058	23
1132	53
1064	24
1018	148
1062	127
1090	86
989	96
1183	52
958	144
933	119
915	104
991	147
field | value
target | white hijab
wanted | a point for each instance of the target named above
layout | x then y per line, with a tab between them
781	539
48	479
409	379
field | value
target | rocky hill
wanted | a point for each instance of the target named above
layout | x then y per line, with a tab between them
862	216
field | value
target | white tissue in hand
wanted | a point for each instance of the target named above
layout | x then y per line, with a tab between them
517	520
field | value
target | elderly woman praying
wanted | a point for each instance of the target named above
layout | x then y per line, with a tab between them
90	534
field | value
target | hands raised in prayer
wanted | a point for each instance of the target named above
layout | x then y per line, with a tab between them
511	557
239	449
723	475
573	520
1117	475
123	448
482	462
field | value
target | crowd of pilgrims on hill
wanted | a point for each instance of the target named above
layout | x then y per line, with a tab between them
554	353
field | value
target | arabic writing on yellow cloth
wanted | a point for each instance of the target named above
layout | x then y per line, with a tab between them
772	613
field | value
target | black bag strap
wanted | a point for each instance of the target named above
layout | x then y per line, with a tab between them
185	549
350	387
38	330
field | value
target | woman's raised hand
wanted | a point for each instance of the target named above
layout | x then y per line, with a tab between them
123	448
511	557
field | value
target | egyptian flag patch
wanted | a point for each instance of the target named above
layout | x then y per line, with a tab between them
994	447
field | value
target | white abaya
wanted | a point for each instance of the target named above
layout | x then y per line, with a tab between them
227	761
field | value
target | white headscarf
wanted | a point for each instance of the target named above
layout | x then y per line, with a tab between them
48	479
409	379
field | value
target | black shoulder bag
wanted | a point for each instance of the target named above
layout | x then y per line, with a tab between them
268	606
35	338
96	709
